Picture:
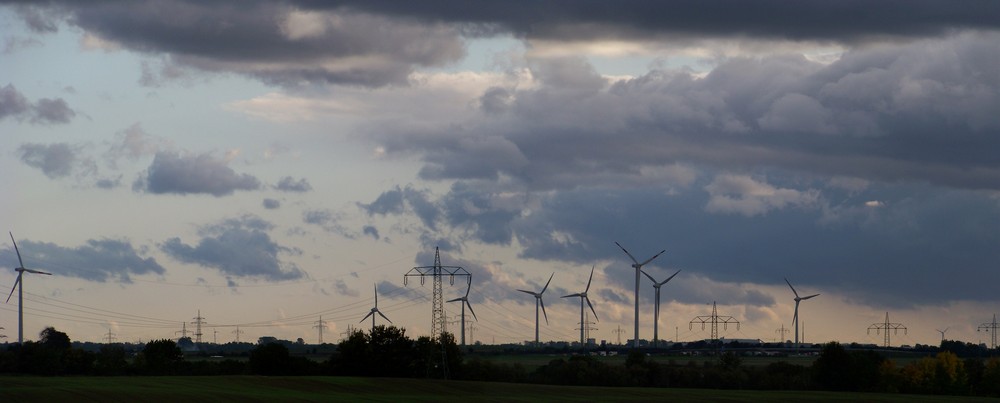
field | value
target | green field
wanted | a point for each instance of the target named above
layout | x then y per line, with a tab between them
533	361
257	388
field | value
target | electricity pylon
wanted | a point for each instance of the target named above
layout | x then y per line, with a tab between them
438	326
320	324
782	332
990	327
715	320
198	321
886	326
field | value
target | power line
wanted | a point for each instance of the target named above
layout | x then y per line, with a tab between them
886	326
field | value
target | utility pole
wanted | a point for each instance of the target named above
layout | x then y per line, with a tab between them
714	319
619	332
438	320
110	337
781	333
183	331
472	327
886	326
987	327
198	321
237	332
215	336
320	324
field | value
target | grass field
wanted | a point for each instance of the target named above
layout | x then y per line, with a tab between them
257	388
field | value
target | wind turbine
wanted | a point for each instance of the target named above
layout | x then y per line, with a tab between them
465	302
374	311
795	319
583	297
19	284
656	310
943	332
638	269
538	302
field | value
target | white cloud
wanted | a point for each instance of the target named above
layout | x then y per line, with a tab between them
742	194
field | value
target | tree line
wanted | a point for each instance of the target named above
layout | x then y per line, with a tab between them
386	351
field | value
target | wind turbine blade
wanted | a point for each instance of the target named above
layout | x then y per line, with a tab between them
626	252
470	310
546	284
814	295
591	278
528	292
383	316
572	295
36	272
648	276
793	288
16	250
543	311
456	299
668	278
15	286
467	289
654	257
362	320
375	286
592	308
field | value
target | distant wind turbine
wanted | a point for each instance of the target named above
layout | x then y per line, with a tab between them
539	303
656	310
638	269
583	297
374	311
465	302
943	332
19	284
795	319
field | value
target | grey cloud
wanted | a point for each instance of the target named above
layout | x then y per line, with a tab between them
329	221
823	21
371	231
271	204
292	44
46	111
881	114
171	172
287	184
238	247
99	260
55	160
394	202
342	289
132	143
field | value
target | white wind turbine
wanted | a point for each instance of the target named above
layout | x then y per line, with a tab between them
19	284
583	297
538	302
465	302
656	310
943	332
795	319
638	269
374	311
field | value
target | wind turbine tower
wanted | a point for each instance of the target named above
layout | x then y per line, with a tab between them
942	333
465	302
638	269
886	326
438	326
583	297
19	284
795	318
538	302
374	311
656	309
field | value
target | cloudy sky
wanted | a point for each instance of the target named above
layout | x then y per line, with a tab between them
267	162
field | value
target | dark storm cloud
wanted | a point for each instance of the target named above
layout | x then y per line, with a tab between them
574	20
288	184
15	105
237	247
884	113
271	204
395	201
171	172
98	260
273	41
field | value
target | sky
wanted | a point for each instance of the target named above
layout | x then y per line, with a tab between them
261	164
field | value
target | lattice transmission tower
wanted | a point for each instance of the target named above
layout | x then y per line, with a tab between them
320	324
198	321
886	326
715	320
438	320
990	327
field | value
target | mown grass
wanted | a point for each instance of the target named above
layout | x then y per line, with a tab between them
258	388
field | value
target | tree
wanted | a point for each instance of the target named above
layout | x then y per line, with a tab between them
160	357
270	359
53	339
